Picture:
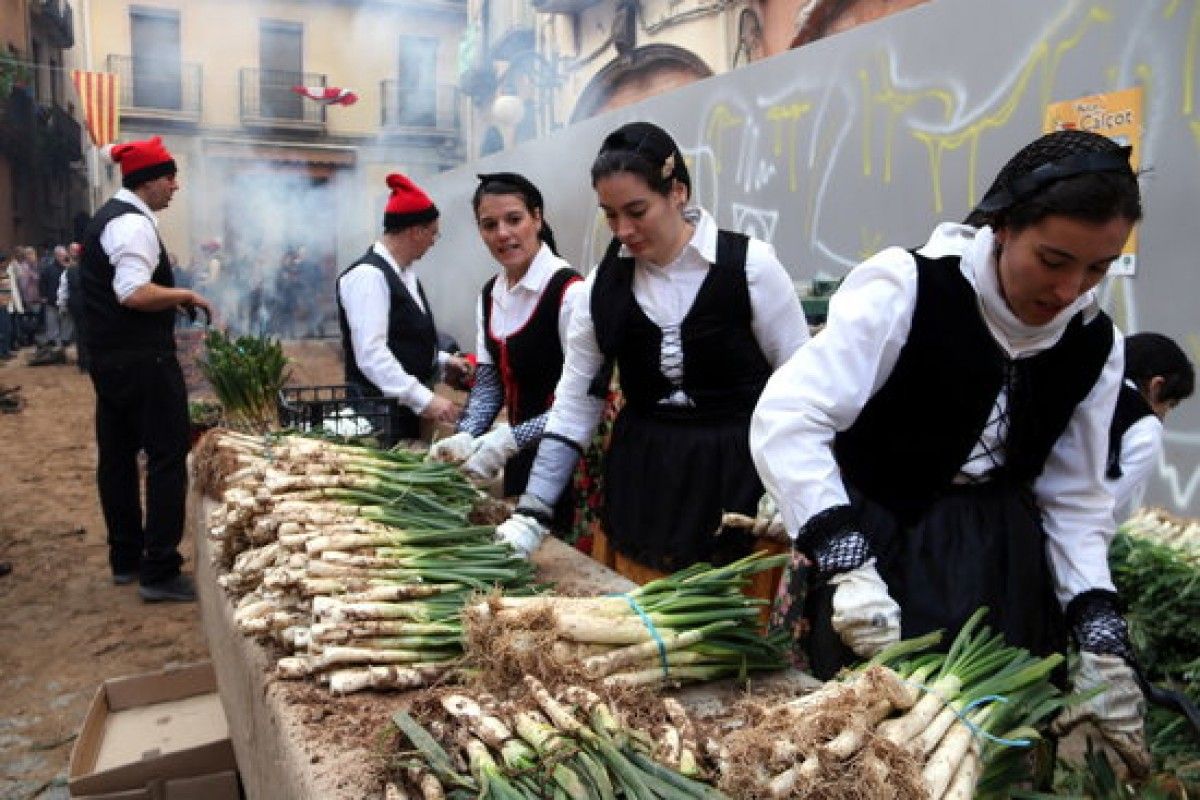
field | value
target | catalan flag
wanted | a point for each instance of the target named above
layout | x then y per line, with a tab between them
98	97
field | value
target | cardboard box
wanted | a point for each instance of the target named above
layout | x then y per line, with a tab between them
158	736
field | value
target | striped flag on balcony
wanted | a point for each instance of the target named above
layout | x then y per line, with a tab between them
327	95
98	96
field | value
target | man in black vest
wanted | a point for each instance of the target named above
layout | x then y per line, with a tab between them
388	334
129	306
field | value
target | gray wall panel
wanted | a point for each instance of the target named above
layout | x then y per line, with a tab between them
870	137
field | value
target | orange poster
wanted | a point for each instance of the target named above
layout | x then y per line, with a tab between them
1117	115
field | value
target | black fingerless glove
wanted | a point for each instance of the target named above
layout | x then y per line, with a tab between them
1096	623
833	542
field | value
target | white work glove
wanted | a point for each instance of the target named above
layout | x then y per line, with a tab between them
864	615
492	451
1118	712
769	521
1105	655
453	449
527	527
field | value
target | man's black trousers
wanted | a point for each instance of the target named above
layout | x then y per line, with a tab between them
141	404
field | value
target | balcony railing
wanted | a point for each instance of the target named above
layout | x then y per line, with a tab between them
62	134
267	99
158	88
18	115
427	108
56	18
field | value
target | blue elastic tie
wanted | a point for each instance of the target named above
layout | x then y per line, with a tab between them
991	698
971	726
649	623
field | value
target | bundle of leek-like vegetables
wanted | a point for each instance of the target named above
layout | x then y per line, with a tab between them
569	743
1155	562
1165	528
358	562
246	373
694	625
903	726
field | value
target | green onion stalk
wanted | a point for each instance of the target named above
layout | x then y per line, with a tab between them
694	625
246	373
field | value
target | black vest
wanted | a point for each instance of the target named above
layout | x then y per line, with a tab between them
1131	408
530	360
111	326
724	369
915	433
411	336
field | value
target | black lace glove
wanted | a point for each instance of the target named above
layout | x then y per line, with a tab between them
833	543
1097	625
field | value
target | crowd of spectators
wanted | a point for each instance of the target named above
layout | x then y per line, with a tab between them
288	294
284	296
40	304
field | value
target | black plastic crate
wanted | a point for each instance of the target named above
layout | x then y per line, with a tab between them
338	411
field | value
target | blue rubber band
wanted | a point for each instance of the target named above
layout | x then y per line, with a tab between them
971	726
649	623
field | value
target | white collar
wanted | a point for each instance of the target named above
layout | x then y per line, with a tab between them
978	264
703	241
127	196
541	269
382	251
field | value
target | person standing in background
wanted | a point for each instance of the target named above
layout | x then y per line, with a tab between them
48	280
388	335
1158	377
30	319
6	326
71	293
130	303
16	302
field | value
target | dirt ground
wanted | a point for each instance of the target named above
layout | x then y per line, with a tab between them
64	627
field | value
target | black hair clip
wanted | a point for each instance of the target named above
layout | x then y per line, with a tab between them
1025	186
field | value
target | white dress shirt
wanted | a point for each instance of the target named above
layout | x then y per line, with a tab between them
1141	446
132	245
366	299
512	306
825	386
666	294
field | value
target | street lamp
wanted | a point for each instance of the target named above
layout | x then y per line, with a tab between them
508	110
529	78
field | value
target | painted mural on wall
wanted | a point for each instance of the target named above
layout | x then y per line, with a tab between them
868	139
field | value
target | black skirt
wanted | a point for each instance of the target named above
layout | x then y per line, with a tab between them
981	545
668	477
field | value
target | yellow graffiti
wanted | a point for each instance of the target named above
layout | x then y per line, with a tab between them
1195	124
720	120
1119	303
789	114
1095	14
1194	345
1170	9
871	243
1145	74
1048	58
1189	61
868	125
897	103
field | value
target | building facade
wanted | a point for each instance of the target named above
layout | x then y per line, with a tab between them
268	175
538	64
42	184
